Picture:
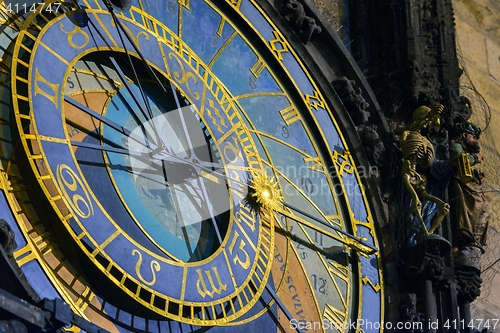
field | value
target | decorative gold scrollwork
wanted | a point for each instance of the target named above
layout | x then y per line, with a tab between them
184	77
155	267
80	204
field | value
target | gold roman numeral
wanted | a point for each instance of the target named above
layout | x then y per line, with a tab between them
184	3
317	164
290	115
258	67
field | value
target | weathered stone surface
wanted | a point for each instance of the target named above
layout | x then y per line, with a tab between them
483	14
471	44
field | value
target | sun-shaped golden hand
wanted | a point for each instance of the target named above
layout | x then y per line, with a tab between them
266	192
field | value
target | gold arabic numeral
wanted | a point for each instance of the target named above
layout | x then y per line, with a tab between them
154	266
135	37
246	215
239	190
201	285
184	77
54	88
72	34
67	179
336	316
290	115
236	258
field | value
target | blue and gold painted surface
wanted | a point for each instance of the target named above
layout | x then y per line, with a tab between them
261	113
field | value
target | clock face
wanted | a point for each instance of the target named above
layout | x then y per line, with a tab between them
174	166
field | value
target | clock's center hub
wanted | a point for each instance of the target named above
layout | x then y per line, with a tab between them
162	172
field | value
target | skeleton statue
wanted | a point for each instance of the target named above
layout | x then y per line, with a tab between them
418	151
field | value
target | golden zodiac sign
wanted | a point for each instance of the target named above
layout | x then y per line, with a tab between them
72	184
184	76
155	266
217	118
53	86
201	286
71	35
233	149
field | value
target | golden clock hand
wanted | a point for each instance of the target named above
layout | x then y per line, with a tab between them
350	240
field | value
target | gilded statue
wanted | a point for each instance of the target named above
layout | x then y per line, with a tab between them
418	151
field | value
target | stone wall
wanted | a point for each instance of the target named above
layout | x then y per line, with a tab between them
478	46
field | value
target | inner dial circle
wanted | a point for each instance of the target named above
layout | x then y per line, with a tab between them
176	192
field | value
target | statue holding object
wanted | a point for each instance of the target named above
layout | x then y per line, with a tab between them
418	151
471	212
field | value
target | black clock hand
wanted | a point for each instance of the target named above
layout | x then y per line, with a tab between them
121	29
278	301
347	239
136	48
110	123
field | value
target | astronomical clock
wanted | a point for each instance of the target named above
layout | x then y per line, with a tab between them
174	166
